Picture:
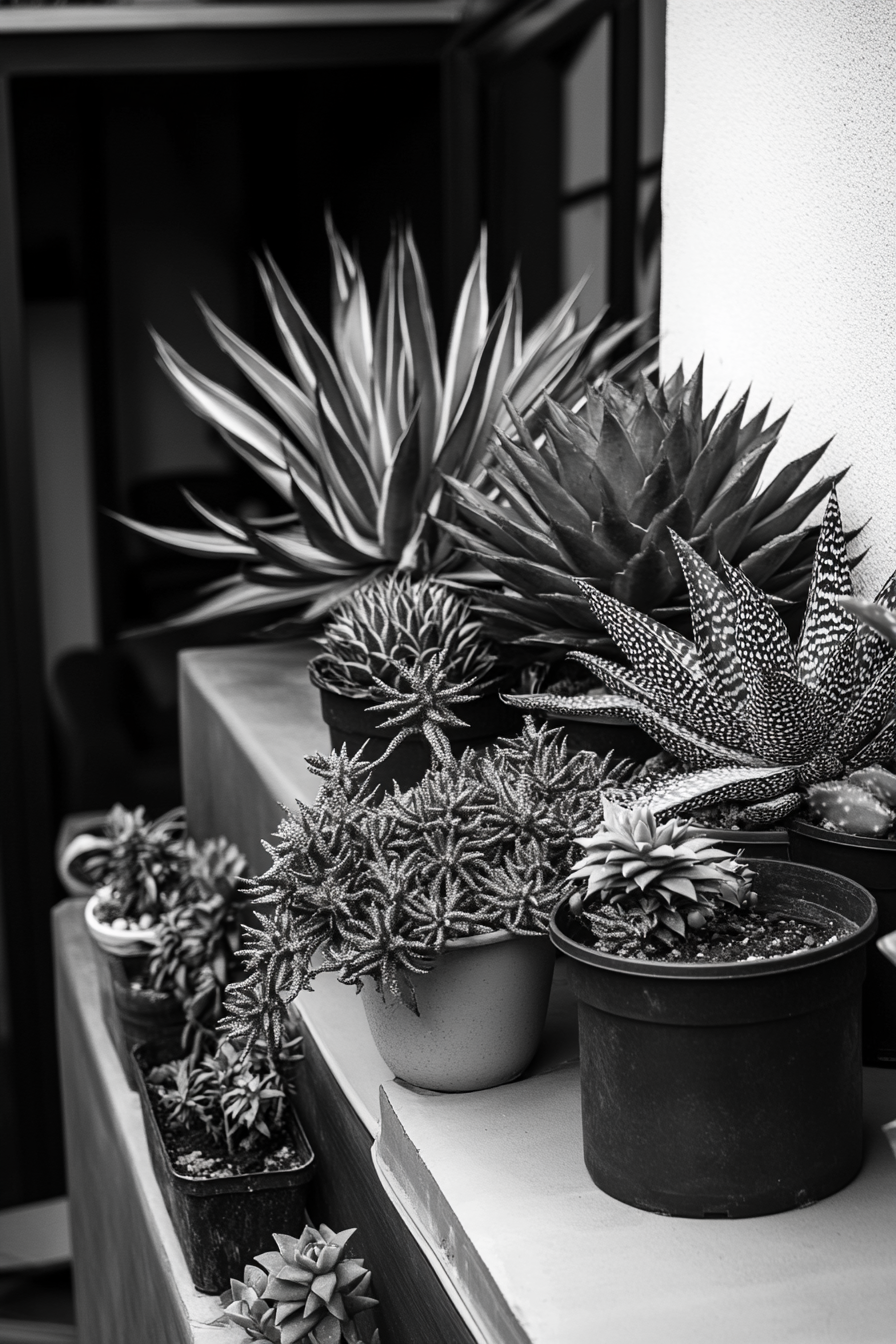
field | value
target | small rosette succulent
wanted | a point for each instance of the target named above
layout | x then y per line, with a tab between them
646	878
307	1289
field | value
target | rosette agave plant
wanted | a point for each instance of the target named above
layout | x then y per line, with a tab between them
595	495
755	720
366	428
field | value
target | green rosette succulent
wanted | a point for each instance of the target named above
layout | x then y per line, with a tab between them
307	1289
646	878
391	622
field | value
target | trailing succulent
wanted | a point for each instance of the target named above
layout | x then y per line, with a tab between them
651	880
234	1097
367	887
596	494
753	719
308	1288
366	428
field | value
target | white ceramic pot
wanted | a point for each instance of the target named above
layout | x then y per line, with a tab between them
118	942
481	1012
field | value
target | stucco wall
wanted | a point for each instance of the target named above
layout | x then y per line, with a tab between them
779	226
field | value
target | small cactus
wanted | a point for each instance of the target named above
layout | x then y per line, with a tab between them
847	805
877	780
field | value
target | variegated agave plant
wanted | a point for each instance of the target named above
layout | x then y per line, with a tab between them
596	494
755	720
367	427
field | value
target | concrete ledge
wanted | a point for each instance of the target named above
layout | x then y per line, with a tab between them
494	1182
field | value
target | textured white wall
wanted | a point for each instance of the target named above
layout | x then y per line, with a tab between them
779	226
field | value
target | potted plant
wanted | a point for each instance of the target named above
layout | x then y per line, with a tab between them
719	1020
753	719
126	871
848	825
309	1288
227	1149
593	491
434	902
166	914
412	651
367	427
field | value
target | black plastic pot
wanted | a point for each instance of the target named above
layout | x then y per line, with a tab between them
873	864
726	1090
755	844
223	1222
485	720
142	1016
623	739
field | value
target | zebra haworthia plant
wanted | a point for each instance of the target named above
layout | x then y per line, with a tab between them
755	720
595	497
366	428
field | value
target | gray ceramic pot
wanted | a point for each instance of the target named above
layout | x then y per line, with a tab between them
481	1010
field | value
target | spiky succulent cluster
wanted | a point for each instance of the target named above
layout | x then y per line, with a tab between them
235	1097
368	887
595	497
138	864
414	646
366	428
755	720
393	622
862	804
649	878
308	1288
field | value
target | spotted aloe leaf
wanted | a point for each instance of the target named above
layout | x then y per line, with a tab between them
718	784
826	623
741	695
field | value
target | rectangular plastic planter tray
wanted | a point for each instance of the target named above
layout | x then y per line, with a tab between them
224	1222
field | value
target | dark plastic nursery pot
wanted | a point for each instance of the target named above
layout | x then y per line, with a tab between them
485	720
142	1016
726	1090
223	1222
873	864
622	738
754	844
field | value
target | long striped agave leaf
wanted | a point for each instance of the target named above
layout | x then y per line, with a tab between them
188	540
352	326
288	400
419	330
298	333
468	332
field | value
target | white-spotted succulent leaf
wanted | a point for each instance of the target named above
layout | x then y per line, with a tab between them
780	719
